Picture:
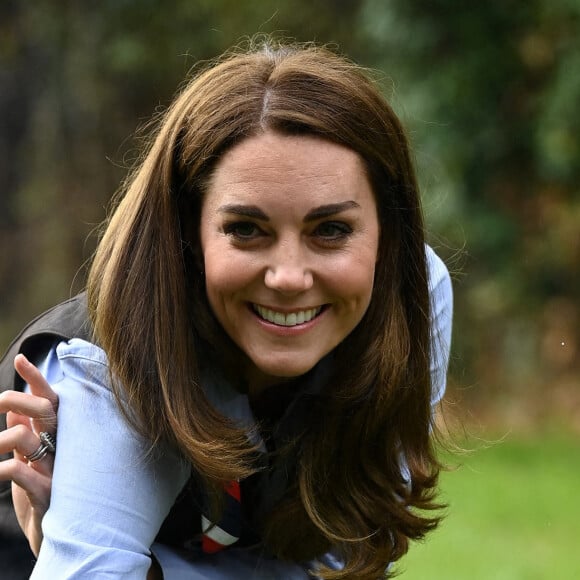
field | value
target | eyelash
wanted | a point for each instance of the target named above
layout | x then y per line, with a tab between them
233	229
341	231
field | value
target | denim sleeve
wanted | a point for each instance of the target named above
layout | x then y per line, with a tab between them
109	494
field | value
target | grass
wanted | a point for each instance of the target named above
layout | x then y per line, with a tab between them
514	514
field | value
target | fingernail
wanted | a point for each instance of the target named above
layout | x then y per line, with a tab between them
23	359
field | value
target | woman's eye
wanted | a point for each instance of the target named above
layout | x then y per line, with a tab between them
242	230
333	230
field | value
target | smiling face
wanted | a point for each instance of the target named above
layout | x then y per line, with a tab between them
289	235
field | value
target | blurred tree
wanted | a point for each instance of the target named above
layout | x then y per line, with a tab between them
77	79
489	89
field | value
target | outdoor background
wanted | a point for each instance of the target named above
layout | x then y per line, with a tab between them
490	93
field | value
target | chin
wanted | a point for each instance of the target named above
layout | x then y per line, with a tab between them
282	371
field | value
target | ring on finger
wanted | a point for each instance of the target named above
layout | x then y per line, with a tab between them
47	445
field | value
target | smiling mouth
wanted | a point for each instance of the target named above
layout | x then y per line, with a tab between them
283	319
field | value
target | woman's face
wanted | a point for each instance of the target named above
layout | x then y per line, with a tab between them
289	234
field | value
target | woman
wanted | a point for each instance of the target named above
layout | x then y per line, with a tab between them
261	324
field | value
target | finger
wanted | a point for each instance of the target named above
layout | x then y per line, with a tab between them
13	419
38	384
38	408
35	484
24	442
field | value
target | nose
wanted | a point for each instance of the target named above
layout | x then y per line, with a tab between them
288	271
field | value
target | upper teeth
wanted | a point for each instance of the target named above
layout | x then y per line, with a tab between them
291	319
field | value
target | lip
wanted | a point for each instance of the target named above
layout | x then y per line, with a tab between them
287	318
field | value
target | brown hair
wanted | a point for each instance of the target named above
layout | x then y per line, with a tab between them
151	314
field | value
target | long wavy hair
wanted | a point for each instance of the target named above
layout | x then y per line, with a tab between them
151	315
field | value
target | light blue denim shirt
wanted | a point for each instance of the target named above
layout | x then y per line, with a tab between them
110	496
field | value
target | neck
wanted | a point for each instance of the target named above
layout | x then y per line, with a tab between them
258	381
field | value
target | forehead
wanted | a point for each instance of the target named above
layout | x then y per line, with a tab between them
289	168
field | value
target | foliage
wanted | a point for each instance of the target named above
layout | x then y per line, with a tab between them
489	92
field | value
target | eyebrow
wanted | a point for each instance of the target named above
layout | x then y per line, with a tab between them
330	209
253	211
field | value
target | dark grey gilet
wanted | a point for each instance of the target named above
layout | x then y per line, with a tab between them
63	322
68	320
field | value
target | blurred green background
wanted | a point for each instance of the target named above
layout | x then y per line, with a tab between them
490	93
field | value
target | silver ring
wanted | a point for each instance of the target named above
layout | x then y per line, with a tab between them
49	440
47	445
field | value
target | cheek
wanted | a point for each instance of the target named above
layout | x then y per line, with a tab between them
213	272
353	284
216	281
367	287
225	274
366	282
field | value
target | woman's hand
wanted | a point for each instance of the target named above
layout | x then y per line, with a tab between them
28	415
